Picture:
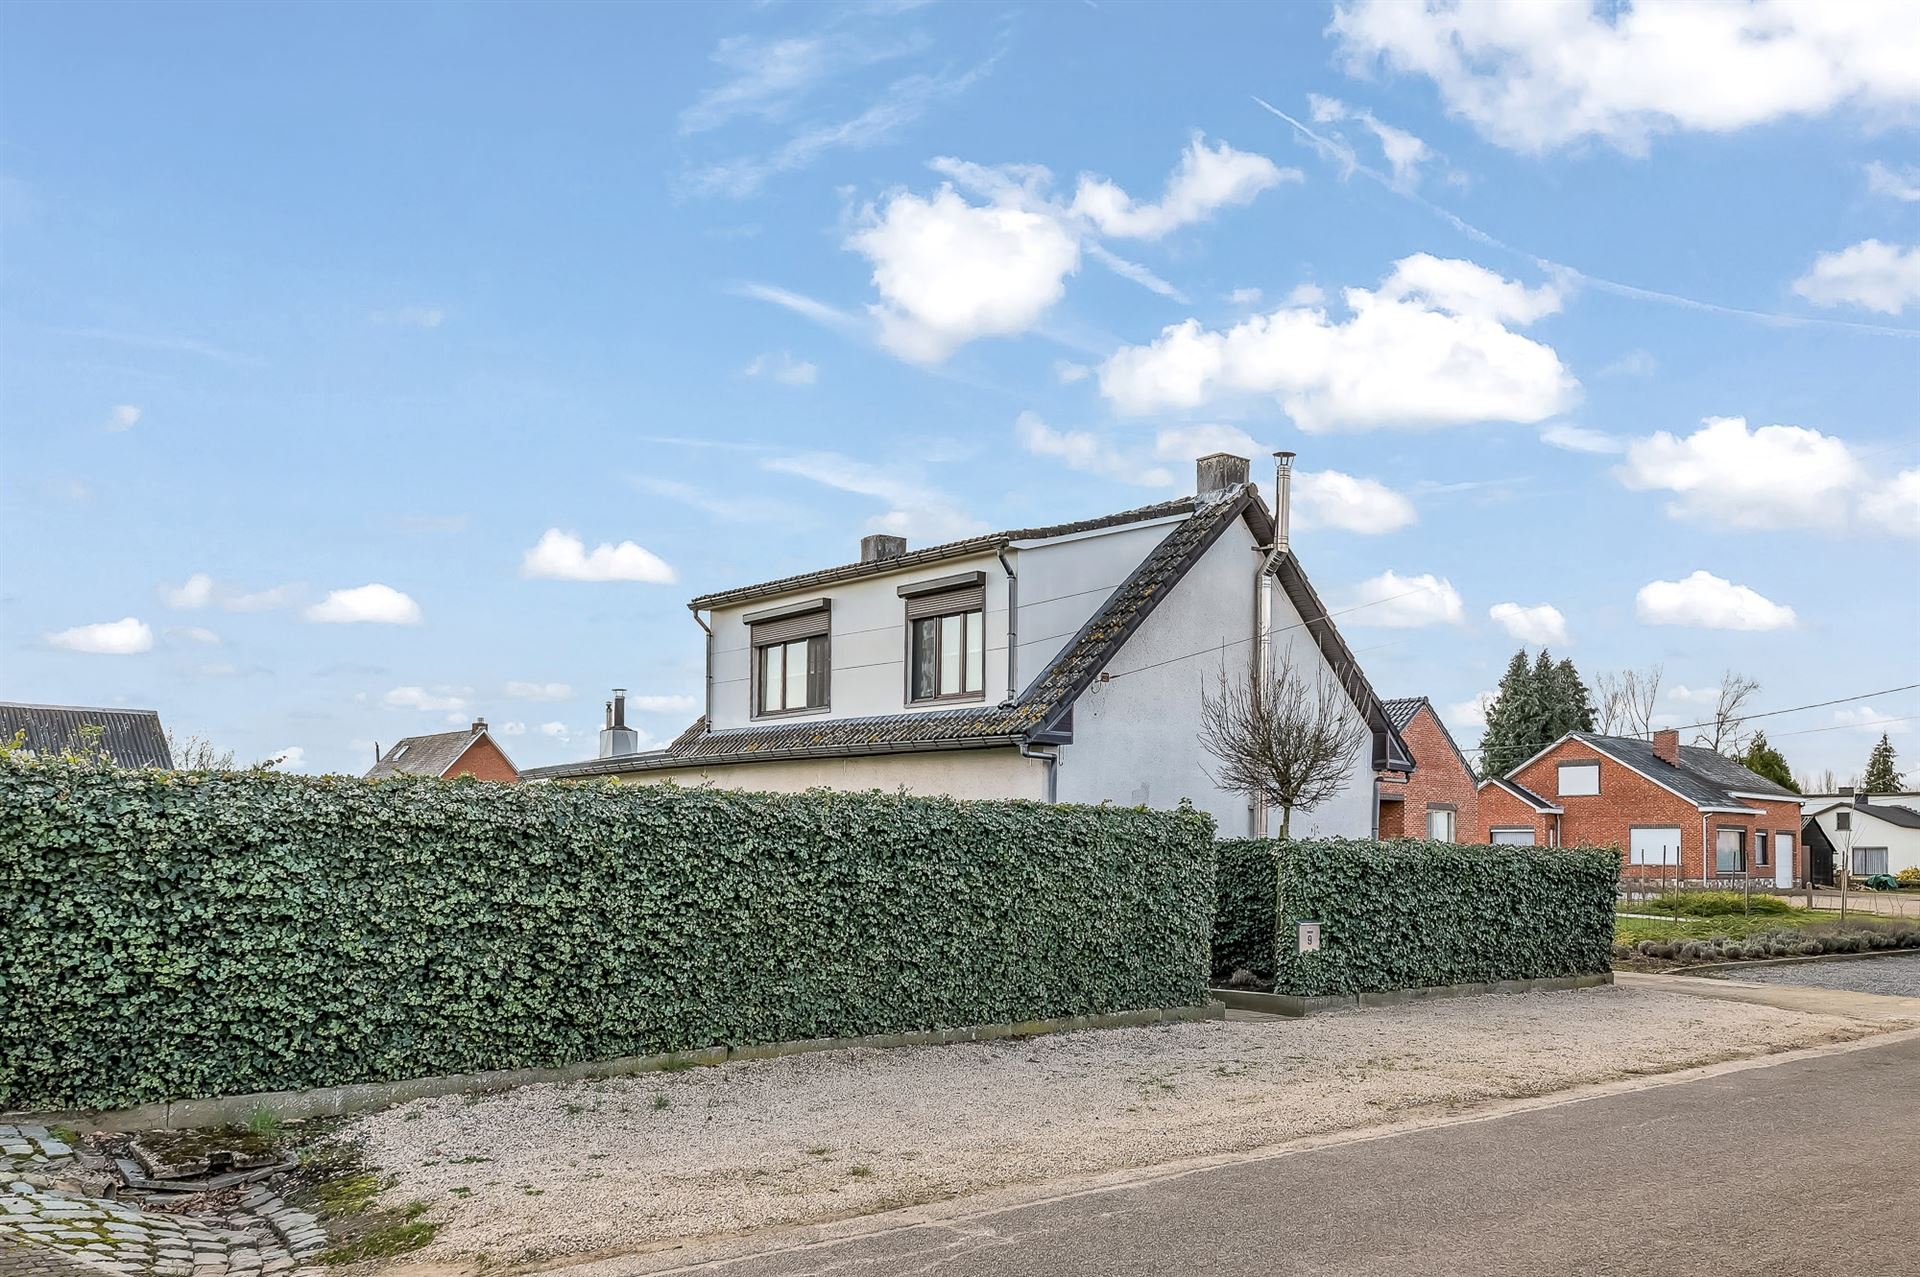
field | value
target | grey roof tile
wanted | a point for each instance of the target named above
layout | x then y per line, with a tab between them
1524	794
1703	777
424	755
130	737
1401	710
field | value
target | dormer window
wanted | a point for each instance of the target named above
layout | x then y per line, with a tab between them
791	669
946	638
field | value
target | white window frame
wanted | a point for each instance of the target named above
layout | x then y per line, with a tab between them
1740	850
1494	835
1582	767
1450	818
1859	865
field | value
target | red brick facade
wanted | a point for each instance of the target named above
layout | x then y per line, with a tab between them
1629	800
485	761
1502	809
1441	779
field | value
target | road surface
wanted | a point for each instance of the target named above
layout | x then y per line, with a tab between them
1799	1166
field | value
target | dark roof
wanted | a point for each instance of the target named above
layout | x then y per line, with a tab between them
1521	792
1040	713
1903	816
935	553
1402	709
1703	777
425	755
130	737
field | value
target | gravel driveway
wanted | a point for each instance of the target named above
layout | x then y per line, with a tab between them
613	1165
1899	976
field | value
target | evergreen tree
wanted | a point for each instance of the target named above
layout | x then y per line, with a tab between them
1572	703
1763	759
1537	704
1881	778
1503	744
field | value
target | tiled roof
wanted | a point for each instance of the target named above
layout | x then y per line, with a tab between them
424	755
130	737
1703	777
1905	817
1521	792
1402	709
935	553
1041	708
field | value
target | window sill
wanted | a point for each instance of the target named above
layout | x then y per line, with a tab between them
790	713
961	698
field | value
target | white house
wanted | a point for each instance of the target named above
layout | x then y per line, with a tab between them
1869	835
1060	663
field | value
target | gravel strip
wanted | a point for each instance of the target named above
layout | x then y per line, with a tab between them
1897	976
613	1165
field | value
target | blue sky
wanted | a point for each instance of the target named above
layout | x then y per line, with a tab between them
368	368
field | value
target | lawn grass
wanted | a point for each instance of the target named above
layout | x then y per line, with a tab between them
1739	926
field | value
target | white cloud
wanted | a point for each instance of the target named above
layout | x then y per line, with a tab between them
539	691
1330	499
1132	271
438	700
1541	625
291	759
1066	372
561	556
1872	722
1690	695
1184	443
810	308
1562	434
411	317
195	592
1428	349
1404	152
784	368
261	600
1729	476
917	510
949	272
1902	184
1882	277
1392	601
123	417
1244	297
1635	363
556	730
1306	294
663	704
106	638
1085	451
1532	76
1207	179
1709	602
1470	715
199	634
201	590
376	604
509	729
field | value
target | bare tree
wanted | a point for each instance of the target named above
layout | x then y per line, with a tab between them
1284	740
1724	735
1626	701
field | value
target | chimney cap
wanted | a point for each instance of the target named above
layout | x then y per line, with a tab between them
878	546
479	724
1219	471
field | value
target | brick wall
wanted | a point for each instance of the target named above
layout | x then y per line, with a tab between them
1501	810
485	761
1440	778
1627	799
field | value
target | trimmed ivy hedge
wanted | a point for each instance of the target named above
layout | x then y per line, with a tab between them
1410	914
178	934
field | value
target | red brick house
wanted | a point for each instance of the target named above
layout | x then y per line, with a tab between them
470	752
1673	810
1437	798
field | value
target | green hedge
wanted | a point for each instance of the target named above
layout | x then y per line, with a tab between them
195	934
1406	914
1246	880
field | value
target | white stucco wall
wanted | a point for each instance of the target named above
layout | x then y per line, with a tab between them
1902	844
966	773
1136	738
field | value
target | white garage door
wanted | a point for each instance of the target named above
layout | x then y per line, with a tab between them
1654	847
1512	837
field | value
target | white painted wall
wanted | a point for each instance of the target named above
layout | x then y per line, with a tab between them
1062	582
1902	844
1136	738
964	773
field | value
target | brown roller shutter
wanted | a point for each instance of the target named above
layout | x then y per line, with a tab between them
968	600
788	628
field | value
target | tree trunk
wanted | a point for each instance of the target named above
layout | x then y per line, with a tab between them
1286	822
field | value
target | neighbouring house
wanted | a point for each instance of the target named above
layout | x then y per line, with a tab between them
471	751
1439	799
1864	833
1907	798
1059	663
1675	811
129	737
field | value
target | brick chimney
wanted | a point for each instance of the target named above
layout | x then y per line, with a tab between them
881	546
479	725
1666	746
1218	471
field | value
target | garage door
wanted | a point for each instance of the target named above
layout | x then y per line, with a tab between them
1654	847
1512	837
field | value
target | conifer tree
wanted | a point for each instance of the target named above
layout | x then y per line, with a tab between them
1881	778
1763	759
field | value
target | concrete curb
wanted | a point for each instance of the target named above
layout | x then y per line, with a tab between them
364	1097
1294	1005
1721	968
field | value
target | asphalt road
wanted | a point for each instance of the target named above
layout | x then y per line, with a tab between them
1802	1167
1897	975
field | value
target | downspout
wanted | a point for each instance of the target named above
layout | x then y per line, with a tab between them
1263	610
708	712
1703	851
1052	761
1013	615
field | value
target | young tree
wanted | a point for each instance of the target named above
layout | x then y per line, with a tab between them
1763	759
1723	734
197	754
1510	719
1626	701
1881	778
1284	740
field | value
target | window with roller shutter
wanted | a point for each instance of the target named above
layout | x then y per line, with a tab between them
791	659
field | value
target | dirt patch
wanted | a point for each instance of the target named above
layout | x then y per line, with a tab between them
616	1165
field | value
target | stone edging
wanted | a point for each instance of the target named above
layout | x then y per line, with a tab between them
363	1097
1721	968
1294	1005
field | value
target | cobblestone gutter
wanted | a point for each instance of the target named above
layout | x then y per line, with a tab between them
52	1226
